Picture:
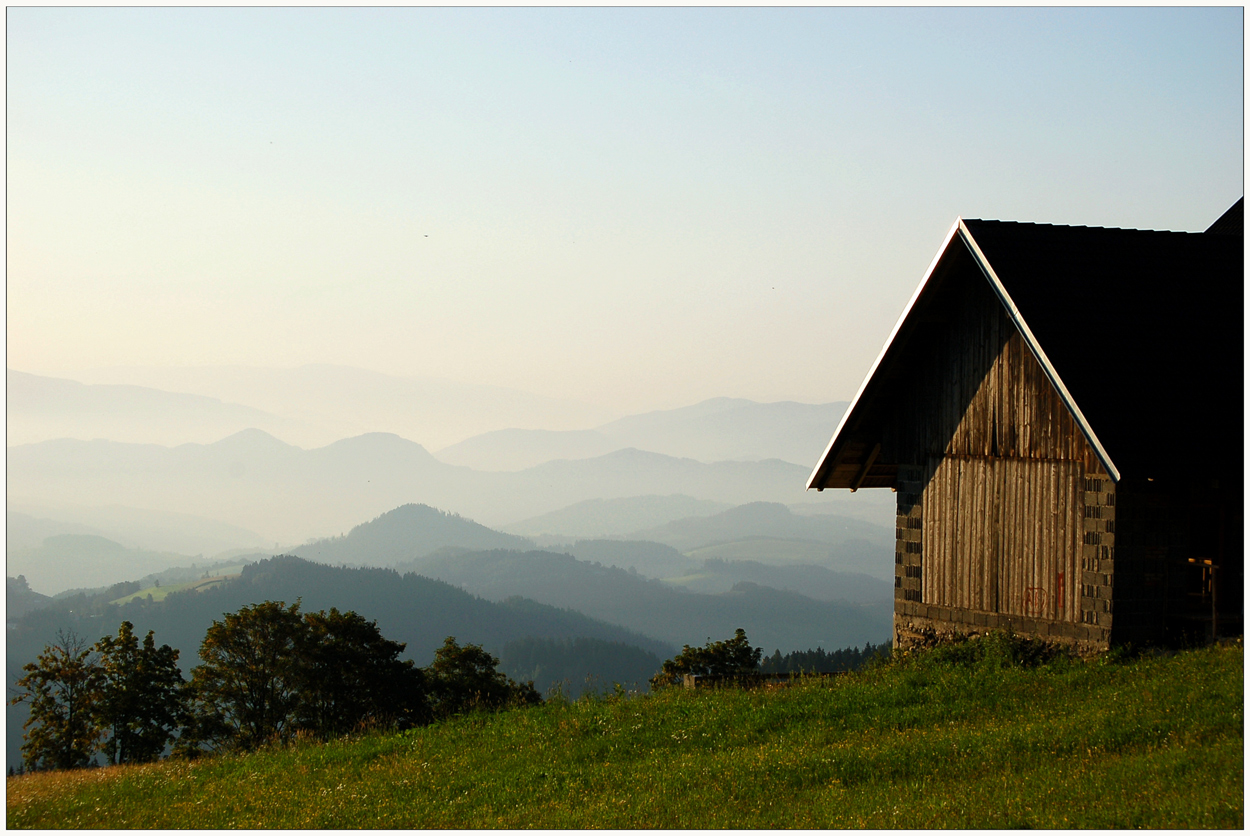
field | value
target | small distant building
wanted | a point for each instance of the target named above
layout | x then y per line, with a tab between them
1060	412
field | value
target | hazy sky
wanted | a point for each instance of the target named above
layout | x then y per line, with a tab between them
640	208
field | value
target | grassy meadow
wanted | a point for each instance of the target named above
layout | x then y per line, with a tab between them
160	593
970	736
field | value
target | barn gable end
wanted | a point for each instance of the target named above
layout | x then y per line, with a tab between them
984	411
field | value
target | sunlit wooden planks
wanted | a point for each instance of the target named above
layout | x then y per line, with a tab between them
1002	535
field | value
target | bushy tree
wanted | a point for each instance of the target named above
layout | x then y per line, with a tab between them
269	671
142	696
722	658
465	679
353	677
247	690
63	690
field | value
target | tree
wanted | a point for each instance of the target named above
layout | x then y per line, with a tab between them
353	677
247	691
465	678
722	658
63	689
143	696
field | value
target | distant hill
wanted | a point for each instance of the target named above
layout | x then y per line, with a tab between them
772	618
23	531
716	576
162	531
330	402
66	561
651	560
720	429
256	482
418	610
43	408
745	531
606	517
19	599
732	428
516	449
408	531
854	555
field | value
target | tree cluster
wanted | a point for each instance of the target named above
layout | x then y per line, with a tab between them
722	658
116	696
268	673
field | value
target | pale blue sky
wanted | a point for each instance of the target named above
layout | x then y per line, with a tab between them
640	208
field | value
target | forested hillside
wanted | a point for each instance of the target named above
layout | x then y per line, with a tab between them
773	618
405	533
408	608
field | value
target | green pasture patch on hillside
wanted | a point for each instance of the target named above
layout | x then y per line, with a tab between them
687	580
963	739
158	593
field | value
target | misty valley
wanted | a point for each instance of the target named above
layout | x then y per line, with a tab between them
580	558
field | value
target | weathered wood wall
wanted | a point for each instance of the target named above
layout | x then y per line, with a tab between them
994	514
973	387
1004	535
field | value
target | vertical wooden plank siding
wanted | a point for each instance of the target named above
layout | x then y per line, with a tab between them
1002	507
1025	567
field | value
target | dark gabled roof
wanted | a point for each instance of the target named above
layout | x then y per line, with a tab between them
1143	328
1232	222
1140	331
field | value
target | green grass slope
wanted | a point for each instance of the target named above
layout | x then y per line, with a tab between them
928	743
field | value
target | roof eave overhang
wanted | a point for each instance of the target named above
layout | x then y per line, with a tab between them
818	472
960	230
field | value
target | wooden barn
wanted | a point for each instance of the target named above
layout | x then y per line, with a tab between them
1059	410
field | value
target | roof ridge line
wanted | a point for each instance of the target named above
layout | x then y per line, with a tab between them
1048	368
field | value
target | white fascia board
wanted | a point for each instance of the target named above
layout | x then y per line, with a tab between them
1035	347
846	416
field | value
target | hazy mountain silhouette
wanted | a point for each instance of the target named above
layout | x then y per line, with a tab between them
160	531
513	449
405	533
713	576
42	408
720	429
651	560
487	428
607	517
771	617
732	428
22	531
20	598
762	519
254	481
766	532
330	402
69	561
